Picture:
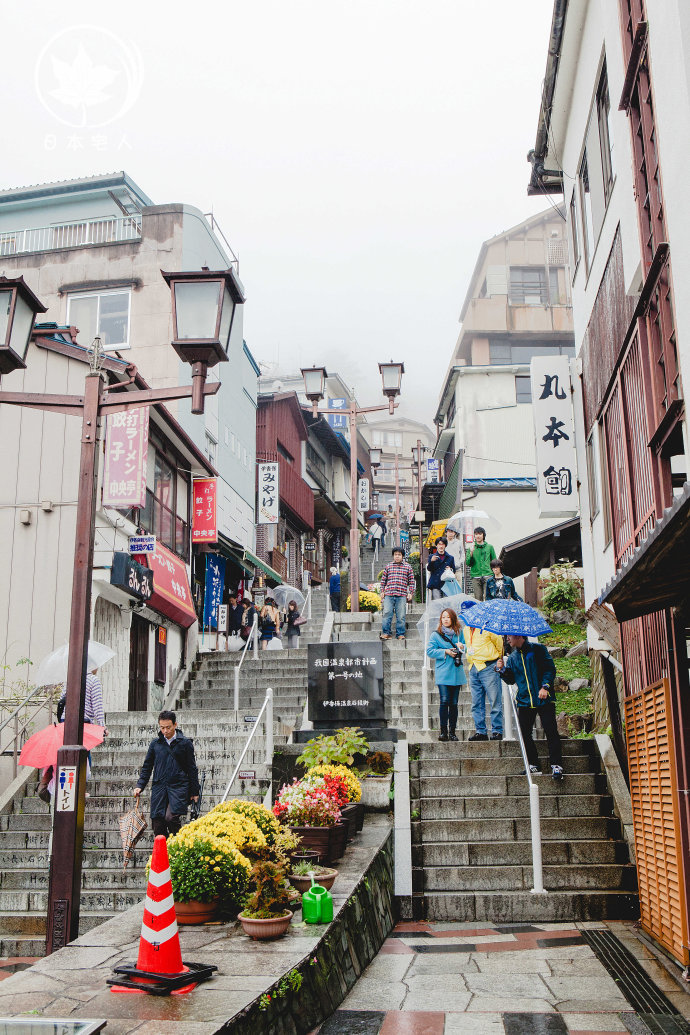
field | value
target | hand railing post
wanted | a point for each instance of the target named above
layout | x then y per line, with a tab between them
268	722
255	636
535	819
508	732
236	699
425	693
309	603
14	749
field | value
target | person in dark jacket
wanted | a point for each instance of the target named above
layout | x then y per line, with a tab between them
248	616
235	612
532	669
175	778
334	589
293	629
500	586
438	562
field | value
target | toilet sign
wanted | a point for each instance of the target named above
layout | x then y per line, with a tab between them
66	789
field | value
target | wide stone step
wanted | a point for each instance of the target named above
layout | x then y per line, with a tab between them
493	749
22	922
522	907
519	853
611	877
21	947
505	766
515	806
204	752
92	879
504	830
103	859
489	786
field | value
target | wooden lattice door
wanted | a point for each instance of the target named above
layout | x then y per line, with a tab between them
654	796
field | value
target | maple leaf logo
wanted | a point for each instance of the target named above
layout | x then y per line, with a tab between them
82	83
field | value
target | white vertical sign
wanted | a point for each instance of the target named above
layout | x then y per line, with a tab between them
554	435
66	789
363	494
268	495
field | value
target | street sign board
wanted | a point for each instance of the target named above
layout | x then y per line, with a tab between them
141	544
134	578
222	618
66	788
363	494
250	718
247	774
433	471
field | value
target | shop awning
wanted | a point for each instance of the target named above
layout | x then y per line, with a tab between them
234	553
543	549
171	594
657	575
262	566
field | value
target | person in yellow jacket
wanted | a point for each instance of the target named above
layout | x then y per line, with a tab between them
483	651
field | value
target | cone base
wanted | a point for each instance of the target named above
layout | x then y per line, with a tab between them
143	982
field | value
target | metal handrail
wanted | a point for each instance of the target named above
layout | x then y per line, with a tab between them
267	707
307	603
535	818
253	636
19	731
426	667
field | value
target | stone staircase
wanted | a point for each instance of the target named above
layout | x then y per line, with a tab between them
472	856
311	632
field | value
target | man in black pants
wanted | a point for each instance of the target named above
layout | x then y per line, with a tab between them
175	778
531	668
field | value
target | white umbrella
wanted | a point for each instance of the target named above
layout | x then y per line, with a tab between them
464	518
432	613
53	668
284	594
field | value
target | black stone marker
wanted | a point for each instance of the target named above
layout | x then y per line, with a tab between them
346	685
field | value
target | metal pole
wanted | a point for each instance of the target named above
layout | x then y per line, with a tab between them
396	541
354	532
535	822
236	699
425	669
255	635
508	732
68	829
269	725
422	580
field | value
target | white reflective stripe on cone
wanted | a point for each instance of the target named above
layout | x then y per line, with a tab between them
159	937
158	908
157	879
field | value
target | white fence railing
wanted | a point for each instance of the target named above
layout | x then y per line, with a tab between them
253	638
266	714
534	815
71	235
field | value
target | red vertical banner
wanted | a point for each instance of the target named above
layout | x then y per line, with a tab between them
204	512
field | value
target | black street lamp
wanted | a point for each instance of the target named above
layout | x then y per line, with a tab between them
203	313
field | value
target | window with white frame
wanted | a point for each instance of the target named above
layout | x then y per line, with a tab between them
101	313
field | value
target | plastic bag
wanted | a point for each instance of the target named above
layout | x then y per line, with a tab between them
274	644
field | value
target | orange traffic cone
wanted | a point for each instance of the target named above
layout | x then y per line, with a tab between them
159	968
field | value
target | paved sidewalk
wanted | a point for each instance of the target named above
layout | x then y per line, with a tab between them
492	979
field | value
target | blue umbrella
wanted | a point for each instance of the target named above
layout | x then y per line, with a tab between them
506	618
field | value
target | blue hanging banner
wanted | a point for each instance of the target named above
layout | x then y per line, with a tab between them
213	594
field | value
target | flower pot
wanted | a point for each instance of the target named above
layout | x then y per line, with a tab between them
375	793
349	814
316	838
359	813
303	884
262	929
338	840
195	912
302	855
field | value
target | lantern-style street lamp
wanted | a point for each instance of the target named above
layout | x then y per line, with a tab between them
314	387
203	310
18	309
203	305
375	458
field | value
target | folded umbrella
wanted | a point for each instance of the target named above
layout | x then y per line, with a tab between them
506	618
132	826
41	749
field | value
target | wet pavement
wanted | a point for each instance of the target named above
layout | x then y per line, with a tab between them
491	979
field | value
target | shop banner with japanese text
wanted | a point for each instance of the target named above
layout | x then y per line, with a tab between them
204	513
554	434
268	495
213	594
126	456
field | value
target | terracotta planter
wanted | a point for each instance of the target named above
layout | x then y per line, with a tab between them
197	912
316	838
262	929
349	814
338	840
303	884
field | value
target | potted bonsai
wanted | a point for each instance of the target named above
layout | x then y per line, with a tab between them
301	874
266	914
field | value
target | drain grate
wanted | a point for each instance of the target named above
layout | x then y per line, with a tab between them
634	982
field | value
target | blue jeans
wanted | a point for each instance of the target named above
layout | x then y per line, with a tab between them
448	711
483	685
393	606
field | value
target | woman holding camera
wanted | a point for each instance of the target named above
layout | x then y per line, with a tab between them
446	647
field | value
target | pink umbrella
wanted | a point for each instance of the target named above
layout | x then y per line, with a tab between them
41	749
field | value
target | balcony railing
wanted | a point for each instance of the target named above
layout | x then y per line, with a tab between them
71	235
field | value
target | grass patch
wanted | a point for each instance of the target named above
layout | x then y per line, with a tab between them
573	668
574	702
564	635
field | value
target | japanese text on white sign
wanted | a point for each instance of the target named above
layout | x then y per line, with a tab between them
554	433
268	495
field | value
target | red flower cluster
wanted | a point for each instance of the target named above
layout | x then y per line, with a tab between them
337	789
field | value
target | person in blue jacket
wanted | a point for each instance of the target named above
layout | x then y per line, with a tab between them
334	589
446	647
438	562
531	668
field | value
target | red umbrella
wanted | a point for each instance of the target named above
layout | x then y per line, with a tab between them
41	749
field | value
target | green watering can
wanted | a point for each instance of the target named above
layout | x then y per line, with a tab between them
317	904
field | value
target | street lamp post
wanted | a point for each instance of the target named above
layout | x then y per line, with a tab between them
314	386
203	309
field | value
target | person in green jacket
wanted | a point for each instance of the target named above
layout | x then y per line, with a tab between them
478	560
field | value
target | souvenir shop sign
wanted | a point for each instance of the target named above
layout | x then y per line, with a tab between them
554	436
134	578
126	457
268	503
204	513
346	684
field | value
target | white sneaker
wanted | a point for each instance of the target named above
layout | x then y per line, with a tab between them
535	769
557	772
